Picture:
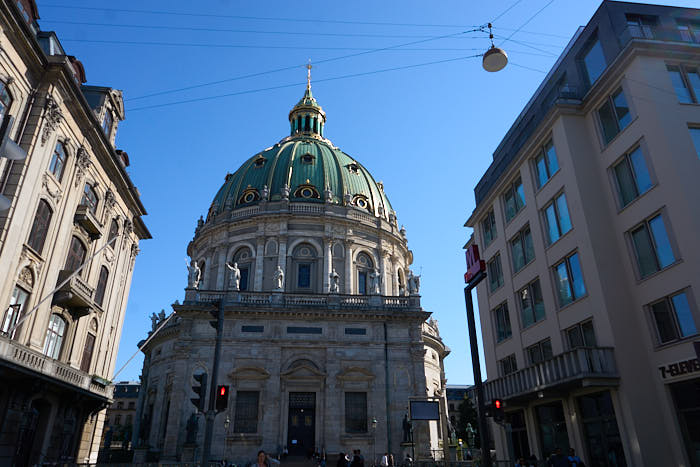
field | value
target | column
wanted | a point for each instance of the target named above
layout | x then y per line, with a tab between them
282	258
327	263
259	258
221	270
348	267
394	276
383	260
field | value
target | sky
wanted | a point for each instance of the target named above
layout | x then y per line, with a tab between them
423	118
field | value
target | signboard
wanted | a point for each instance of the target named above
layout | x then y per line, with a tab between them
682	367
475	264
425	410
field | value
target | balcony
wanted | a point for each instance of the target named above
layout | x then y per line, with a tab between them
28	359
581	367
87	220
75	294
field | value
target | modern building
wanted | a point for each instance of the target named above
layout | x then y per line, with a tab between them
69	199
325	341
119	419
588	222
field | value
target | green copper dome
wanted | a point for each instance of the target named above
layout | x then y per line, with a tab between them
303	167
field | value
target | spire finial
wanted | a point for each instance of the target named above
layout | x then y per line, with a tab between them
308	75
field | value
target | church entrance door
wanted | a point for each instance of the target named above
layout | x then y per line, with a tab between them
302	423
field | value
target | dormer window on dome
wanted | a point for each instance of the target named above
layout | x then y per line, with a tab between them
249	195
361	201
353	168
307	158
259	162
307	191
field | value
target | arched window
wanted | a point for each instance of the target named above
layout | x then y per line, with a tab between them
5	101
14	312
364	266
89	347
113	232
107	123
304	257
40	227
101	286
54	337
90	198
202	273
58	161
76	254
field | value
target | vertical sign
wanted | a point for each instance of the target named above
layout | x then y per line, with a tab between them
475	264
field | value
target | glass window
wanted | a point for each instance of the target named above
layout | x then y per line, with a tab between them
107	123
686	82
594	62
87	353
641	26
356	412
40	227
508	365
488	226
632	176
540	352
581	335
303	276
514	199
570	286
652	246
54	337
58	161
14	312
522	249
673	318
362	282
614	115
101	286
245	416
689	32
495	272
5	101
76	255
113	232
531	304
601	434
502	320
556	215
89	198
546	164
695	134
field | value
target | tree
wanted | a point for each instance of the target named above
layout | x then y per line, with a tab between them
467	415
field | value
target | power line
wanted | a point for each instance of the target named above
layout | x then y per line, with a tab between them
529	19
506	11
526	44
510	62
353	75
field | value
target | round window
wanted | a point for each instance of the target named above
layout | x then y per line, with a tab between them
249	197
361	202
307	158
307	192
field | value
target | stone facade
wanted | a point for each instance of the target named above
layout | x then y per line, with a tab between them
55	367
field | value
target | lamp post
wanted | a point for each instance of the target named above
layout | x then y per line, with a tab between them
374	444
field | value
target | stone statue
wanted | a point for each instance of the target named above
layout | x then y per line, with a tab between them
406	429
154	321
194	274
335	282
402	231
374	282
279	278
192	428
380	210
285	191
328	194
235	276
265	193
402	290
413	283
161	316
348	199
200	224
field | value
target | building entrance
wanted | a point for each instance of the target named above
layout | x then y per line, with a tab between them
686	396
301	429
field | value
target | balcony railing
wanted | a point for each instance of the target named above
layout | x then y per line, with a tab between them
76	294
85	218
573	366
32	360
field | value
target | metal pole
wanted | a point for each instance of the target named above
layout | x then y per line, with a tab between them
476	366
211	413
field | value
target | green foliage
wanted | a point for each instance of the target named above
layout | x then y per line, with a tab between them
467	415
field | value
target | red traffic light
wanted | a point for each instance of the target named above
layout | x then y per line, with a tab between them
497	403
222	390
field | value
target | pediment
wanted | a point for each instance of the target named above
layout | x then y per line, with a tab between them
248	373
355	373
303	372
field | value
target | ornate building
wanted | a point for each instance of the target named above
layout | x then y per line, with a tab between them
69	199
325	340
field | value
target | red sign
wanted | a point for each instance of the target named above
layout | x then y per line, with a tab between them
475	264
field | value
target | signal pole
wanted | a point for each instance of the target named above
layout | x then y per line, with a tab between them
211	412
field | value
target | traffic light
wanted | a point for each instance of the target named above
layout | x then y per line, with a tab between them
495	410
10	150
199	389
221	398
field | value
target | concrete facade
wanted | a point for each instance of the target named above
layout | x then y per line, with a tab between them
56	365
611	370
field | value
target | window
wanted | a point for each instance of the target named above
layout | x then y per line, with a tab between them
502	320
118	419
540	352
107	123
303	330
495	273
632	177
356	412
614	115
76	254
641	26
593	61
531	304
488	227
58	161
356	331
686	82
364	265
252	328
113	232
304	276
522	249
54	337
132	406
652	246
14	311
569	280
556	216
89	198
87	353
546	164
101	286
40	227
5	101
245	419
690	32
695	135
514	199
508	365
673	318
581	335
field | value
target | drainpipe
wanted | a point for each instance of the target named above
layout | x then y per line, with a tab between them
386	386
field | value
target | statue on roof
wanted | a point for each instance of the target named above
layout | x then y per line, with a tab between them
335	282
278	279
235	277
195	273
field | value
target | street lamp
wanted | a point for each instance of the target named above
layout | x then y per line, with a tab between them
374	444
495	59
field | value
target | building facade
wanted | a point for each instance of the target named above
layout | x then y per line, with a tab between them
325	341
69	198
119	418
588	222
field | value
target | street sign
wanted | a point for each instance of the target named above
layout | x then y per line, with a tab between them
425	410
475	264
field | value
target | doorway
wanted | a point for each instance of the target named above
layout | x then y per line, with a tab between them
302	423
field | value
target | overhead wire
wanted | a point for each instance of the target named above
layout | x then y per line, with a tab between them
506	11
528	21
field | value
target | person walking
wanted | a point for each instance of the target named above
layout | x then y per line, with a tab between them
574	460
384	462
557	459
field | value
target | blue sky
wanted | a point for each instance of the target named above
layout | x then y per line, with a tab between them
428	132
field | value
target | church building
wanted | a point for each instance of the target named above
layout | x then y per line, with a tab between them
325	342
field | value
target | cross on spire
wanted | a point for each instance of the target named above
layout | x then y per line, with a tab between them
308	75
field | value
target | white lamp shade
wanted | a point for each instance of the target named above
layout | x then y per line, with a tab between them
495	59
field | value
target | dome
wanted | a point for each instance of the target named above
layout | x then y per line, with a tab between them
303	167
